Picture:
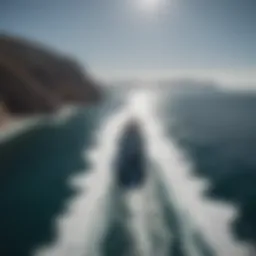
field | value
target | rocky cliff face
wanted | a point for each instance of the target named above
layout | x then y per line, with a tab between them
34	79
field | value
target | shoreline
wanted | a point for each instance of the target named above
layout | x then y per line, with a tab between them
15	126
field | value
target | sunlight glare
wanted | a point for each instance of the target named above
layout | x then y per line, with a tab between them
150	5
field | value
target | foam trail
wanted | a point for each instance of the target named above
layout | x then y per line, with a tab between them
210	218
142	218
161	236
137	222
146	223
81	227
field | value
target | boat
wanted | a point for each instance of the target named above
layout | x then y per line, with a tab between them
131	161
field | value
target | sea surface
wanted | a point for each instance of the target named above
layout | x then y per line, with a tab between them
59	197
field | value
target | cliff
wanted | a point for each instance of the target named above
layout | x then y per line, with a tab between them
35	79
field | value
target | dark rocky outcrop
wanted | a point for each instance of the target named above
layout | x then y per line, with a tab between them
34	79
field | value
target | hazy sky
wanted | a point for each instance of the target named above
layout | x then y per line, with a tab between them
127	38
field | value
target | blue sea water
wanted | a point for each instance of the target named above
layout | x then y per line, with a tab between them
215	130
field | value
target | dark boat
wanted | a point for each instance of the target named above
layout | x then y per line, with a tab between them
131	162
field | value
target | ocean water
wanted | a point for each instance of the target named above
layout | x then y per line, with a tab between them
59	197
216	130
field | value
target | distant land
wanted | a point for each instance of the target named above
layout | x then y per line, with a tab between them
35	79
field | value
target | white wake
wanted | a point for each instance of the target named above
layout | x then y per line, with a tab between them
212	219
82	226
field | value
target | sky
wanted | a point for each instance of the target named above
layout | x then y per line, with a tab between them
121	39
